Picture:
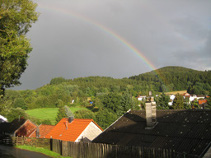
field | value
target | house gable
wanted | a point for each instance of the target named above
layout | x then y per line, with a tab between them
26	129
90	132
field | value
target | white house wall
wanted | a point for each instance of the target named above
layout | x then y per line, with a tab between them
90	132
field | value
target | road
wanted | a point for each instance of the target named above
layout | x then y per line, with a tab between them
11	152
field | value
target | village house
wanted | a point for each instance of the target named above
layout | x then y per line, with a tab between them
186	95
18	127
75	130
185	131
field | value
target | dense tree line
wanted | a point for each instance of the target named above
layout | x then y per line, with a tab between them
174	78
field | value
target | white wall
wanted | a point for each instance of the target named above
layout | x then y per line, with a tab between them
90	132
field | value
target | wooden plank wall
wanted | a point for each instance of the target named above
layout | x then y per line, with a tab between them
96	150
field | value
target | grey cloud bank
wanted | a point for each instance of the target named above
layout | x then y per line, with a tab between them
167	33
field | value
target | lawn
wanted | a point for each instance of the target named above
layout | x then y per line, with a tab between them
175	92
41	150
49	113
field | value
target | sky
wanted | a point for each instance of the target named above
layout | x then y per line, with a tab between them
116	38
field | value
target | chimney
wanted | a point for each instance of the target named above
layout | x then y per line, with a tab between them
38	132
70	119
151	121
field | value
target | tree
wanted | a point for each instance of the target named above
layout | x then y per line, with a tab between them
15	113
162	101
208	101
178	102
68	111
112	102
19	102
104	118
16	17
61	113
85	114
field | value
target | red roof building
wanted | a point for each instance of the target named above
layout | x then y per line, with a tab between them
26	129
75	130
202	102
41	131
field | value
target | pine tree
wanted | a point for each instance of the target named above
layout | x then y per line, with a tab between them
61	113
178	102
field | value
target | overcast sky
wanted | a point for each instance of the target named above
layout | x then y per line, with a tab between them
68	40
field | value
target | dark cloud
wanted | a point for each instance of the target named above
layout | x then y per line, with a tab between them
74	45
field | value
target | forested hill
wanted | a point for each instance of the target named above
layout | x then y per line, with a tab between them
173	78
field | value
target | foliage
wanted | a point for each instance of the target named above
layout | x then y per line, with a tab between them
68	111
208	106
19	102
56	81
46	122
15	113
85	114
16	17
105	118
178	102
162	101
61	113
174	78
194	104
208	103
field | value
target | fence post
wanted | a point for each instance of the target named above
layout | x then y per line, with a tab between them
51	144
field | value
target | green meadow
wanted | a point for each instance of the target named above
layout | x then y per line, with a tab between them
49	113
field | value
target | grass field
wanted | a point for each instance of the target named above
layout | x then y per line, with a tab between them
49	113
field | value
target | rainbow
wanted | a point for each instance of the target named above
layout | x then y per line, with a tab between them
109	31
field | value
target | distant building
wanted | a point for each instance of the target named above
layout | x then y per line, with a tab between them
141	98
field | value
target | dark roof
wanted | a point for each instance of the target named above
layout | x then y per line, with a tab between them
186	131
12	126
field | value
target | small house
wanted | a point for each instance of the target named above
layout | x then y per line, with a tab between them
18	127
75	130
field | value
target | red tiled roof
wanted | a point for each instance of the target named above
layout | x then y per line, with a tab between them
43	130
202	101
69	131
26	129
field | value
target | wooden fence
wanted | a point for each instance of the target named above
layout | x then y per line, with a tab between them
97	150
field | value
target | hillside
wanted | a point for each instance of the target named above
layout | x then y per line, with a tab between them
173	78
